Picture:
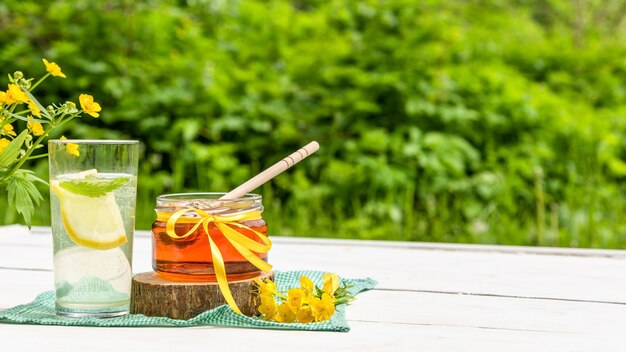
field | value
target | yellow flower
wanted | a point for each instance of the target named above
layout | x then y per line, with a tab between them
323	308
267	287
71	148
331	283
285	315
15	94
88	105
3	98
4	143
8	129
295	298
35	127
34	109
305	315
268	307
53	68
306	284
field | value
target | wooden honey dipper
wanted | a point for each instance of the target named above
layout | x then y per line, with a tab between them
272	171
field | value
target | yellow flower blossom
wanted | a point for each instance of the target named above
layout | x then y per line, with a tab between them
305	315
306	284
323	308
71	148
296	298
53	68
34	109
4	143
267	287
88	105
330	283
3	98
8	129
268	307
15	95
285	315
35	127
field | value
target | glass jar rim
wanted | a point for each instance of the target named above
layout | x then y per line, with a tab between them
94	141
204	201
206	196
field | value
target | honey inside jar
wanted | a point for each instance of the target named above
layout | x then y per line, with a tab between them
189	258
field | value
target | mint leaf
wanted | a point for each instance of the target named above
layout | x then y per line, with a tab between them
22	193
93	187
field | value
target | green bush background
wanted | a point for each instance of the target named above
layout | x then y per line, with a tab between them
458	121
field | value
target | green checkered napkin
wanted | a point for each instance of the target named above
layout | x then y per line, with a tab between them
42	311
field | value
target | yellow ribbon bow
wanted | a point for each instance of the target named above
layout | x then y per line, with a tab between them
244	245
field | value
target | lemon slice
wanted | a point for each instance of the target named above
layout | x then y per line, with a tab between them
93	222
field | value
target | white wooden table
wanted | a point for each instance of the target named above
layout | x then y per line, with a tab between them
430	297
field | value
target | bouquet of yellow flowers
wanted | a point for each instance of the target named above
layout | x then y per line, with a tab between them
18	103
305	304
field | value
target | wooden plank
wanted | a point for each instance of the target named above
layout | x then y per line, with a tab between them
364	336
493	273
495	313
21	286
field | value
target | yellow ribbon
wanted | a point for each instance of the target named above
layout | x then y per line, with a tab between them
244	245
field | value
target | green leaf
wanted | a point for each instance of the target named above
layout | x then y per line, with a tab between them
43	110
32	119
94	187
9	155
22	193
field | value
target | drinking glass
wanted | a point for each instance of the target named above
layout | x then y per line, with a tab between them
93	185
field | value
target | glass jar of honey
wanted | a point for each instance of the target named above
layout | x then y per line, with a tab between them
185	255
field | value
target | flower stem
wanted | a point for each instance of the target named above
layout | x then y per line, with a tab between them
29	152
61	122
37	156
39	82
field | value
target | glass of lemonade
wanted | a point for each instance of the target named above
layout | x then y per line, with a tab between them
93	185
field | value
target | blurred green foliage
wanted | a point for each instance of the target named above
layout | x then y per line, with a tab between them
475	121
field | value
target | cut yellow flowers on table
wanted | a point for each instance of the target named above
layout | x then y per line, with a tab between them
305	304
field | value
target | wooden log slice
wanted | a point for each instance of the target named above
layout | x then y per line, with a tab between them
155	297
